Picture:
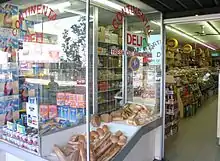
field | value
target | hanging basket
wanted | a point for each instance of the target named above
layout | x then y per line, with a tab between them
187	48
172	43
199	51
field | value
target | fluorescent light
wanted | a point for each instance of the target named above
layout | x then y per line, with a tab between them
184	35
113	5
59	6
76	12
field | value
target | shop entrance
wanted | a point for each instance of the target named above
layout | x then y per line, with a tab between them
192	62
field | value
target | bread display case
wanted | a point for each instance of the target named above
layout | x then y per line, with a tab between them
88	88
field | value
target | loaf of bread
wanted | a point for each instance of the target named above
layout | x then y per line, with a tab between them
106	118
95	121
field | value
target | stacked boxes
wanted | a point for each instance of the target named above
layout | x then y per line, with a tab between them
71	106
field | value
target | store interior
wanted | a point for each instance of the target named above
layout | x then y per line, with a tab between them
192	88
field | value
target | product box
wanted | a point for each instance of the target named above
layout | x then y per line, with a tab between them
73	100
44	111
73	117
80	113
81	101
60	111
60	99
52	111
65	112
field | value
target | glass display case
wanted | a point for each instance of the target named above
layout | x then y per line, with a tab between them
90	73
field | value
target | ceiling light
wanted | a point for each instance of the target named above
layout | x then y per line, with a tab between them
184	35
59	6
112	5
188	37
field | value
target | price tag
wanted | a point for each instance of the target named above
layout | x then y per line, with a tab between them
21	129
10	126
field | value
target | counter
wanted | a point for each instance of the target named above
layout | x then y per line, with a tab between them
142	143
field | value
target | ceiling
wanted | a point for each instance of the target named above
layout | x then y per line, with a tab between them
210	27
182	8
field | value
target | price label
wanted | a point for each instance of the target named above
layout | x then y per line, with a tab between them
10	126
21	129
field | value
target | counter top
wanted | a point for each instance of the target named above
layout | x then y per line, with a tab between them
134	135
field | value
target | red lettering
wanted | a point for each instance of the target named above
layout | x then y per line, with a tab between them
39	37
129	38
45	10
124	12
39	9
33	9
53	17
115	24
119	17
134	39
139	41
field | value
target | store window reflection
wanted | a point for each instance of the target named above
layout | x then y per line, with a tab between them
42	73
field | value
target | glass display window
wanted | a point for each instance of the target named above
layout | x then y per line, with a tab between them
80	80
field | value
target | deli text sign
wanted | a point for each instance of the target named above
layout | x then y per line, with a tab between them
134	40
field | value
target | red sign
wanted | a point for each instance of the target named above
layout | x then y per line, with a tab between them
32	10
118	19
134	40
36	37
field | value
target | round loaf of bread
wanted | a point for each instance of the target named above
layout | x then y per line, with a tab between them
100	132
94	134
95	121
105	128
121	142
114	139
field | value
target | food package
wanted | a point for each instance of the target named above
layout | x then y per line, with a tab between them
44	111
52	111
60	99
101	34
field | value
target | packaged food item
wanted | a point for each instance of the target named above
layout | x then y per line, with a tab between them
60	99
59	111
73	100
81	101
52	111
73	112
80	113
65	112
44	111
67	97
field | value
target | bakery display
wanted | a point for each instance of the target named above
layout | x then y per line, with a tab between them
104	145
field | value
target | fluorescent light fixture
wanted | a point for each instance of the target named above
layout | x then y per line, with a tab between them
112	5
184	35
76	12
59	6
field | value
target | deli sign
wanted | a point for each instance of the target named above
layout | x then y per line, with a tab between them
134	40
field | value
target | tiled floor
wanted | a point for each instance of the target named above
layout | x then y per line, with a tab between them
196	139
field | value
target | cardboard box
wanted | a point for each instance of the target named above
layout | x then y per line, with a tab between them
44	111
52	111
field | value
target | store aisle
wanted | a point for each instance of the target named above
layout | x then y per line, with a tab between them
196	140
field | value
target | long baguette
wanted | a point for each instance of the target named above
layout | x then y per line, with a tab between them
112	154
99	153
107	152
59	153
100	142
